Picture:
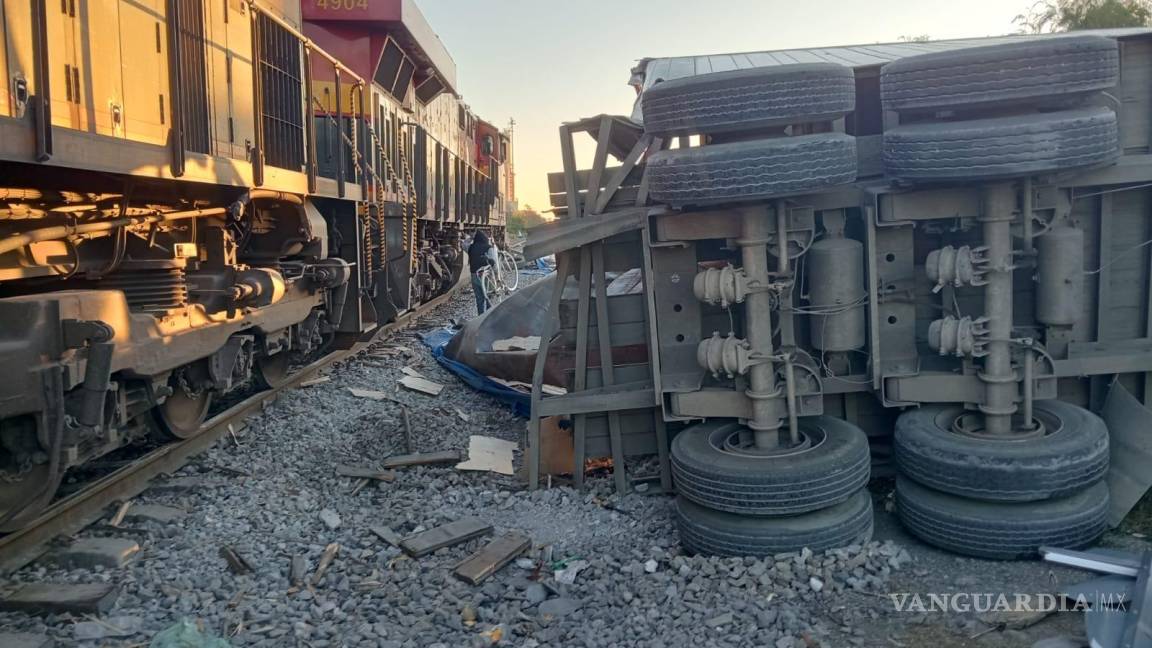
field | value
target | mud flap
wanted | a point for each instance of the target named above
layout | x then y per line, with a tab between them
1130	437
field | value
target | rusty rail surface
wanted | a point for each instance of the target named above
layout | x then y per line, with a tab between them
78	510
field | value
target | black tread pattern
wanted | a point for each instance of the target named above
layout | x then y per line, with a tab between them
1053	466
752	170
1009	72
1001	147
750	98
714	533
785	485
1001	531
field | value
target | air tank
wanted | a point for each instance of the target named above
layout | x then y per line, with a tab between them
836	292
1060	276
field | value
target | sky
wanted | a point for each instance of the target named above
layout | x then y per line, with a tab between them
542	62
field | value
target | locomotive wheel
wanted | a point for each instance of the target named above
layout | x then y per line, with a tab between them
182	413
271	372
1001	147
749	99
715	533
25	490
711	470
1001	530
997	74
752	170
1071	455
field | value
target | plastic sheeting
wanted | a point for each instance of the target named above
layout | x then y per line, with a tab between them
437	339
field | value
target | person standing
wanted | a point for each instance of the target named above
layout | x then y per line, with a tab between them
478	259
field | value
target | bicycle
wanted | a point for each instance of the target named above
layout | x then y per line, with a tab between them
500	280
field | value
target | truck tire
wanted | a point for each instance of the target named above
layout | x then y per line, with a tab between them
740	100
715	533
1069	459
998	74
998	530
751	170
708	473
1001	147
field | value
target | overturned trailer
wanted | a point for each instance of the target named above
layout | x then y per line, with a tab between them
938	251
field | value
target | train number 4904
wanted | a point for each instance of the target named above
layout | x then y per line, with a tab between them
337	5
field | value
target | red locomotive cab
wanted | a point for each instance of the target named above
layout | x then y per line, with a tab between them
488	149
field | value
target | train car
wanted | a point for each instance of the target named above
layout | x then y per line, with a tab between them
196	195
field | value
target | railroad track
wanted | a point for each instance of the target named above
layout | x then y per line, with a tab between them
78	510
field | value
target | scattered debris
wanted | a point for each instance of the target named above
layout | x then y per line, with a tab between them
297	569
186	634
567	575
425	542
386	534
330	518
87	553
526	388
422	385
423	458
408	447
237	563
490	558
315	381
325	562
462	414
489	454
409	371
371	394
60	598
118	518
111	628
366	473
468	616
816	584
651	566
518	343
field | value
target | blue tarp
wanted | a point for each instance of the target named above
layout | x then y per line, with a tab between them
437	339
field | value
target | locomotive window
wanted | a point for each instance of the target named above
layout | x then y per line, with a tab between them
390	62
403	79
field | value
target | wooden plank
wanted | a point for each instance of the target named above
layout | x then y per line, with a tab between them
550	326
358	472
622	198
425	542
607	373
556	178
422	385
580	382
599	161
570	233
61	598
654	358
619	176
422	458
386	534
624	396
491	557
568	158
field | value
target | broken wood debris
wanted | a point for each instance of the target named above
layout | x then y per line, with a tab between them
526	388
371	394
316	381
325	562
492	556
489	454
357	472
386	534
237	563
407	430
422	385
118	517
61	598
426	542
409	371
423	458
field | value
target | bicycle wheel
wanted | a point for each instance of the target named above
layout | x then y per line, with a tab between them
490	285
509	273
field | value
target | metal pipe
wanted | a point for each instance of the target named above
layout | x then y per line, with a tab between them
1026	217
790	382
787	325
97	377
999	380
1029	391
57	232
765	422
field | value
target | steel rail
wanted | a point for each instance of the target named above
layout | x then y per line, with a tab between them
79	510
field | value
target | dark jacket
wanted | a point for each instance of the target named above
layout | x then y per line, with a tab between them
478	252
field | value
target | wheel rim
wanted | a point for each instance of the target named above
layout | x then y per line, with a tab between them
971	424
272	371
731	439
510	271
182	413
25	490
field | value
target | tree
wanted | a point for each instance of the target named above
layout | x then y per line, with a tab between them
523	219
1048	16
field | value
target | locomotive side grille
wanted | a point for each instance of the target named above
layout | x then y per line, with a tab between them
281	85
